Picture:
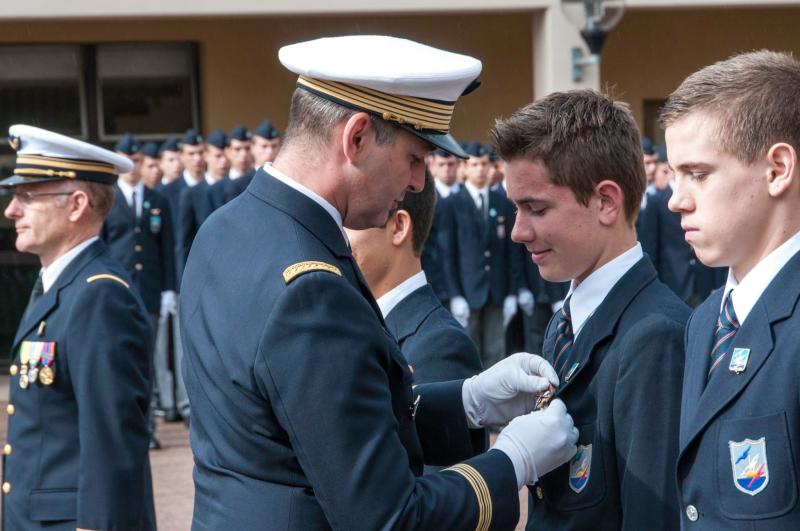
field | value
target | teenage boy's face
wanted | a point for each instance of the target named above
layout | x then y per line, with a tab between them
561	235
723	202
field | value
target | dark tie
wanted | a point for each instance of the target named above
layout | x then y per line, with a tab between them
480	205
727	325
564	338
38	289
133	205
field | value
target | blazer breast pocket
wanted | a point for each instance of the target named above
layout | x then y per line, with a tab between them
755	470
581	482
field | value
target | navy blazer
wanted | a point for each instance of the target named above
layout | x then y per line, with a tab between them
172	192
196	204
433	253
77	453
303	415
477	252
145	246
624	396
749	419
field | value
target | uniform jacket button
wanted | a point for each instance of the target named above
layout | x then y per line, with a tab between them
137	248
691	513
6	487
487	254
13	370
7	449
10	409
487	268
539	492
138	267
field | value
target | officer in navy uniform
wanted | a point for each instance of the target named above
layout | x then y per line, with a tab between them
477	257
733	139
304	416
191	147
617	342
199	201
139	234
264	146
76	455
241	171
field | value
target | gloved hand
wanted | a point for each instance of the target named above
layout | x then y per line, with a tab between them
509	309
460	310
557	306
507	389
169	303
539	442
526	301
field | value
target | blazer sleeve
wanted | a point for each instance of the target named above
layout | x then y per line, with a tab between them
326	372
647	405
109	366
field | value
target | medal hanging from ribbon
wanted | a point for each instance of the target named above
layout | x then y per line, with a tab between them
46	374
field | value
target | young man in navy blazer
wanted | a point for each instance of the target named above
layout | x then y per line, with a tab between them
733	134
575	173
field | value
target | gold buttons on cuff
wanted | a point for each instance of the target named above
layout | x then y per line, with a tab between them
10	409
7	449
13	370
6	487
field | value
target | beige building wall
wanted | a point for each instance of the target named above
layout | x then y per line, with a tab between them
241	79
652	51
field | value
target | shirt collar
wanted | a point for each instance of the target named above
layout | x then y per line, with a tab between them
589	294
389	300
747	292
51	273
442	188
321	201
190	181
475	192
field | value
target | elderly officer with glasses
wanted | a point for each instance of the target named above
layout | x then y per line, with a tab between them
76	454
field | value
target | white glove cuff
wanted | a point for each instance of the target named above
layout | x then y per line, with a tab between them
525	472
474	411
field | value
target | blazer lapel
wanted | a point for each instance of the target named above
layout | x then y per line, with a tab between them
405	319
603	321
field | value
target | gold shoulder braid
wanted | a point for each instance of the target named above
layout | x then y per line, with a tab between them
295	270
107	276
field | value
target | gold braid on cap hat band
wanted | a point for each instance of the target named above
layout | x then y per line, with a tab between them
42	166
420	113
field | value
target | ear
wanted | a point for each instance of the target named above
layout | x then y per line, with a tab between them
782	161
356	132
403	228
78	205
610	198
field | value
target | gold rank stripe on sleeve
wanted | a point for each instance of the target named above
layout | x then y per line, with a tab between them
481	489
295	270
107	276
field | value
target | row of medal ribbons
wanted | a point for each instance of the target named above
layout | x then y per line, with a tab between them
36	363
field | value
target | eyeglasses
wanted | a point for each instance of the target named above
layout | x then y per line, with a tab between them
26	198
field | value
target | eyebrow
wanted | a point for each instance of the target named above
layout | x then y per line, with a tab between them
687	167
529	200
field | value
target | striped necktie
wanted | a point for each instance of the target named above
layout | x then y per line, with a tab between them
564	338
727	326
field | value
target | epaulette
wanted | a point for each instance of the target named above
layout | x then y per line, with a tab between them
295	270
107	276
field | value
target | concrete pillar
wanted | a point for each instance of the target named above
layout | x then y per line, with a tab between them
553	40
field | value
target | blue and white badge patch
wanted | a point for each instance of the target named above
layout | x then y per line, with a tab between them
739	359
749	462
580	467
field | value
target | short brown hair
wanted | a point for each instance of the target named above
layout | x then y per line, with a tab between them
582	137
101	196
312	118
420	206
753	96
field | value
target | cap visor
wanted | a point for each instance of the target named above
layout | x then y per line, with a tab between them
441	140
16	180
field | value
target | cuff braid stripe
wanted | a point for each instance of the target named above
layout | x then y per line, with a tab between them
481	489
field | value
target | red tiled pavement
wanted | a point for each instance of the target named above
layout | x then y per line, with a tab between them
172	473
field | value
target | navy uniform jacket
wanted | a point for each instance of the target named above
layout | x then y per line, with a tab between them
433	254
625	400
77	449
303	415
759	404
196	204
144	247
172	192
476	253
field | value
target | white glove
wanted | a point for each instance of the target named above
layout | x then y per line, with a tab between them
557	306
526	301
539	442
460	310
509	309
507	389
169	303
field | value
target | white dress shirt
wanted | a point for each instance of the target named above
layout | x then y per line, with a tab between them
396	295
127	191
190	181
443	189
318	199
476	192
50	273
747	292
589	294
